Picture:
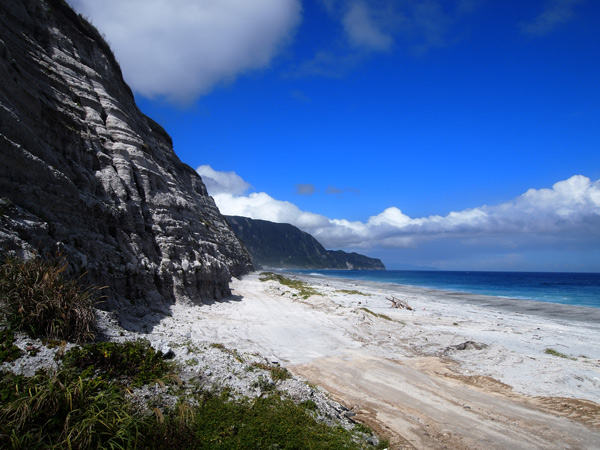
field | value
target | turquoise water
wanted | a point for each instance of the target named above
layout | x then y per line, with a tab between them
578	289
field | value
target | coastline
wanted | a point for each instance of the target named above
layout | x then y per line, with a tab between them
546	309
455	372
575	289
524	328
451	373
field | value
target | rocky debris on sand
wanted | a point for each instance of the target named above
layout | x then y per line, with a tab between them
468	345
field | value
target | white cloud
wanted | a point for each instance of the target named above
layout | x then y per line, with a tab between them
363	30
570	210
263	206
370	27
570	204
181	49
222	182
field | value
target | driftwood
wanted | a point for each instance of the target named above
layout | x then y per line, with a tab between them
397	303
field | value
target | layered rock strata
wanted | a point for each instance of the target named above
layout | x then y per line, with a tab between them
85	173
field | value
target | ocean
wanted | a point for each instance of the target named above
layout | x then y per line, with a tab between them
577	289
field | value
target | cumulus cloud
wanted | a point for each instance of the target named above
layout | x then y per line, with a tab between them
262	206
222	182
569	210
556	13
181	49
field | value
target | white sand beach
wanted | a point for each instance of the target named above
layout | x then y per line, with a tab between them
454	373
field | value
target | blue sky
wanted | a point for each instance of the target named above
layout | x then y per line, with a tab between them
452	134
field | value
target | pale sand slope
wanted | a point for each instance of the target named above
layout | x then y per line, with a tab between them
402	377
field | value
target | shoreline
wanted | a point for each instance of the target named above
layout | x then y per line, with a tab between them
502	303
517	333
511	285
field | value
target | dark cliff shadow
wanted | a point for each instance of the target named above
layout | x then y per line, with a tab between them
145	323
230	299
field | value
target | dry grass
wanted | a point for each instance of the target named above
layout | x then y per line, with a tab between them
381	316
304	290
38	299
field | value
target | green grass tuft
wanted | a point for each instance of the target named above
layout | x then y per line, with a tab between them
278	373
352	292
47	411
363	429
304	290
381	316
37	299
232	352
551	351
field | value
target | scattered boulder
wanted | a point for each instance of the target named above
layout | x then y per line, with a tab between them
468	345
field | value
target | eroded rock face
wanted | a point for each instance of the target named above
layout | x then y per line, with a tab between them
84	172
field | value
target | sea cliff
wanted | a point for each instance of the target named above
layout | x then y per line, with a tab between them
85	174
282	245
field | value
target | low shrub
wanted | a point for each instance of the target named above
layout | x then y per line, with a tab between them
309	405
133	363
38	299
278	373
71	410
269	422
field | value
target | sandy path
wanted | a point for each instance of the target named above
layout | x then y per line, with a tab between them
399	372
418	406
277	328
